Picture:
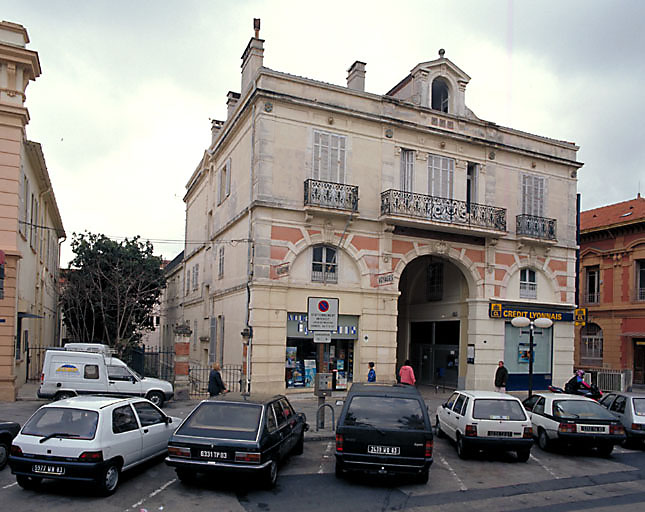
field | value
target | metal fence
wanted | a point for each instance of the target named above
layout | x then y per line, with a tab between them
150	361
198	378
610	380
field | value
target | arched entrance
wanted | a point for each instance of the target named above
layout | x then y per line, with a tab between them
432	324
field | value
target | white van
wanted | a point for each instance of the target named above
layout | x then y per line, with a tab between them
69	373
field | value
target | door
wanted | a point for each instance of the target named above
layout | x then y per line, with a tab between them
447	417
639	361
122	381
154	427
283	429
127	436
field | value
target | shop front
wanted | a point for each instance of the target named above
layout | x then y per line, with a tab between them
304	357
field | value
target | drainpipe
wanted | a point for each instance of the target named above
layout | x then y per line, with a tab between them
577	299
250	255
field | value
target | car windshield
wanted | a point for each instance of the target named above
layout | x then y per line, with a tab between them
385	413
584	409
62	421
498	409
223	420
639	406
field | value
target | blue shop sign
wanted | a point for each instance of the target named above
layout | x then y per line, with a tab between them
510	311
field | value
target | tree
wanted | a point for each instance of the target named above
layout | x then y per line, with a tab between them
110	289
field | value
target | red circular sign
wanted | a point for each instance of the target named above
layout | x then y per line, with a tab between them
323	306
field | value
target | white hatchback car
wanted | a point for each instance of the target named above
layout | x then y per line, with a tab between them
89	439
485	420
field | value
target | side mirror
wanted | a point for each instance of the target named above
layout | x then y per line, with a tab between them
133	379
444	405
168	420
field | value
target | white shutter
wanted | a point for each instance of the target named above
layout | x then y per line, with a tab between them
533	195
228	177
324	157
341	159
407	170
219	186
21	210
212	345
221	339
316	162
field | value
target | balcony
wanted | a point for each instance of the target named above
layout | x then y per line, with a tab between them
419	210
534	227
331	196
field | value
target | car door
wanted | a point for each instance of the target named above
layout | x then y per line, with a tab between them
121	381
283	429
458	414
156	430
617	408
447	418
292	422
127	437
536	413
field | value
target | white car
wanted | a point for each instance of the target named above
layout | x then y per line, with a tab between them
485	420
573	419
89	439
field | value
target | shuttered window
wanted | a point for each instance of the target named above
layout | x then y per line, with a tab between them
329	157
440	176
407	170
533	195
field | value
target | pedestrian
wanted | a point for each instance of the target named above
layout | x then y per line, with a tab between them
371	374
215	383
407	374
501	376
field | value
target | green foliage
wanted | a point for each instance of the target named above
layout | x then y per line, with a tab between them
110	289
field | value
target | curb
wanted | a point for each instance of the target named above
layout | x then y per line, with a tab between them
320	436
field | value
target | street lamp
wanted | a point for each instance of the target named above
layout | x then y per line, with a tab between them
540	323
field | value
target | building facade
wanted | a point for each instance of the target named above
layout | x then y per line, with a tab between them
31	227
612	286
432	228
171	300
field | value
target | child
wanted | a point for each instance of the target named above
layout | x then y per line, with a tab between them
371	375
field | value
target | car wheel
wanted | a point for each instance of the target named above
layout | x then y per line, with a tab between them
4	454
543	440
440	433
299	448
109	479
424	476
604	450
271	475
523	455
63	395
340	469
156	398
185	476
28	482
462	451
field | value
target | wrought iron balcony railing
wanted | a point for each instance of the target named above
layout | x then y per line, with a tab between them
536	227
441	209
327	194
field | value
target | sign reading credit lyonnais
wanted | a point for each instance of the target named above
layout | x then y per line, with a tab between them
322	314
506	311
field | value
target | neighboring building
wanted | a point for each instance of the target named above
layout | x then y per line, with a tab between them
612	287
152	338
171	314
431	226
31	227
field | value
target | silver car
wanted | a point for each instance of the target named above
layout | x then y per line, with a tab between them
629	408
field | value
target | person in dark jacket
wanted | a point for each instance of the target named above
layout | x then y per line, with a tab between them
501	376
215	383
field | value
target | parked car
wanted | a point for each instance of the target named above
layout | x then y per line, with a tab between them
8	430
485	420
384	430
629	408
68	373
89	439
238	434
574	420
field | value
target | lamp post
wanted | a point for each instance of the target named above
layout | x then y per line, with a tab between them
540	323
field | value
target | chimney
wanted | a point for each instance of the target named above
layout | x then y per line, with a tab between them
253	57
356	76
216	127
231	103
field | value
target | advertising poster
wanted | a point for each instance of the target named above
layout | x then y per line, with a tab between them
310	372
523	353
299	375
341	380
291	357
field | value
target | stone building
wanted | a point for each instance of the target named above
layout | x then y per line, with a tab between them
30	224
612	286
430	226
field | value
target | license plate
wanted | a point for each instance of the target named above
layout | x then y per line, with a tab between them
46	469
209	454
586	428
499	433
383	450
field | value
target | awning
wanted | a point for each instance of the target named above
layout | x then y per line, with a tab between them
633	334
28	315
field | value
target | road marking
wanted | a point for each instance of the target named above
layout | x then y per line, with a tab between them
462	487
325	456
544	467
154	493
10	485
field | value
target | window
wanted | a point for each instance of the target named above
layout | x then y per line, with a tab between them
440	176
591	345
390	413
118	373
148	414
195	276
407	170
187	281
194	333
91	371
434	282
493	409
451	401
224	183
222	419
529	403
33	220
123	420
24	192
640	280
592	285
619	405
76	423
440	94
324	265
532	195
528	285
220	269
539	407
278	414
459	404
271	422
329	157
471	185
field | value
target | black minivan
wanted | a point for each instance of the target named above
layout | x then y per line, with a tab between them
384	430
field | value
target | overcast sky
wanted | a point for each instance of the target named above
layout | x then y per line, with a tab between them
127	89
